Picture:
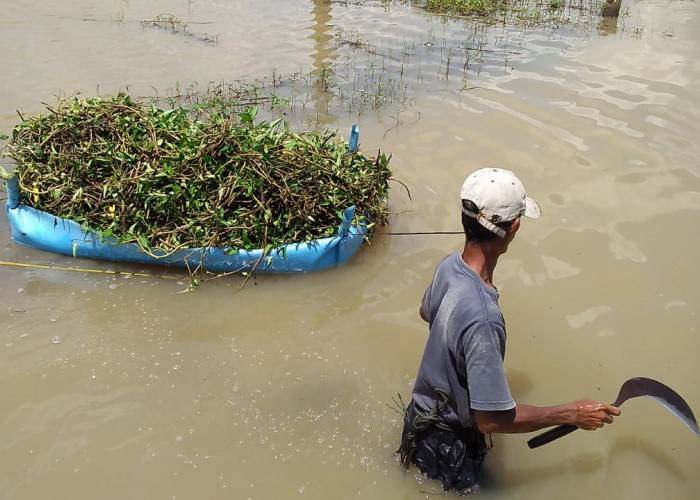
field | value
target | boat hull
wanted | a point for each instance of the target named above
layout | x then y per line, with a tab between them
50	233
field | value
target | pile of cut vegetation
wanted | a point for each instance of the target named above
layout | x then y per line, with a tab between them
162	179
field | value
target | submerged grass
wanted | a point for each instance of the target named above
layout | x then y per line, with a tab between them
177	26
166	180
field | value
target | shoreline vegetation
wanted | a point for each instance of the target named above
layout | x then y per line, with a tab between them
524	13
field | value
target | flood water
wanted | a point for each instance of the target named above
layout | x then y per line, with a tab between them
119	387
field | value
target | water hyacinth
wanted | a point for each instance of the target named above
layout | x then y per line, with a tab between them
160	178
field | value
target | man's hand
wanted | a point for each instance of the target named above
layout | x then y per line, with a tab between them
591	415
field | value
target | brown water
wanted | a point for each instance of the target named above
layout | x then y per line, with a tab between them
115	387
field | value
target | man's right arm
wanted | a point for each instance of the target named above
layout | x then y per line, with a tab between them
585	413
425	305
423	315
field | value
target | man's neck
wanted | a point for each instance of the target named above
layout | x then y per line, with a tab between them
482	259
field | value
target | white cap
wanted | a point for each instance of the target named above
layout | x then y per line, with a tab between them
499	196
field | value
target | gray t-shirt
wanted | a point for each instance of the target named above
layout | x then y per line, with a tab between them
465	349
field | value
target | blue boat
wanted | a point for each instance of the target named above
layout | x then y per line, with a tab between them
44	231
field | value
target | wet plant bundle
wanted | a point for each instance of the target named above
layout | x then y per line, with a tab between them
165	180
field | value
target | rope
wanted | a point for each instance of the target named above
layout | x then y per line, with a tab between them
80	270
418	422
423	420
418	233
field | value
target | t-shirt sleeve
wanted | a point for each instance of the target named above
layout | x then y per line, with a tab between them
483	356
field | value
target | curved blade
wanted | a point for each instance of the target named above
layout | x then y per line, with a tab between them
667	397
633	388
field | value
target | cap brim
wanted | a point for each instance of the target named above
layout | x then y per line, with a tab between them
532	209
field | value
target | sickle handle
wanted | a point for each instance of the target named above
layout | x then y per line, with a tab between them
551	435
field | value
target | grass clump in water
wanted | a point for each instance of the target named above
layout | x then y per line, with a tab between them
466	7
131	171
519	13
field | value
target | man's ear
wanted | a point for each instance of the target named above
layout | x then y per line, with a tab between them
514	226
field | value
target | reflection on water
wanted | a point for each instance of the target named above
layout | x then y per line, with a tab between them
323	57
116	386
608	25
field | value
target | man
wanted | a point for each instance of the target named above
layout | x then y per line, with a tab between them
461	393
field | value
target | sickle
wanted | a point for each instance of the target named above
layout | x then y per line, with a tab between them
633	388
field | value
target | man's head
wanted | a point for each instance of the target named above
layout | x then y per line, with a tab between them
492	199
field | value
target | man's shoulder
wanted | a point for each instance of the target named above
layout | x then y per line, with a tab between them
453	268
446	262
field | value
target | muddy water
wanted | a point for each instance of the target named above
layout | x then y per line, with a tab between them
118	387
